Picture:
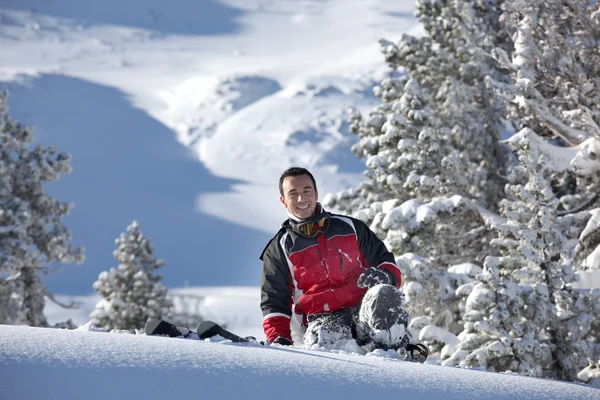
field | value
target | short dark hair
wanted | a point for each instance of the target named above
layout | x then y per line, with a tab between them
295	171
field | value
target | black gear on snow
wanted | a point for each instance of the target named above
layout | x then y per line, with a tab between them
283	341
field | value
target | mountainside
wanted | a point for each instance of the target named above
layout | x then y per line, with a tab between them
183	115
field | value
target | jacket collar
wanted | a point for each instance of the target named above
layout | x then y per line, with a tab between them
292	222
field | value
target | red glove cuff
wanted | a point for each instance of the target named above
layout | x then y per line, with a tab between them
277	326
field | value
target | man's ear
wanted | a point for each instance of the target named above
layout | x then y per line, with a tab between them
282	200
316	195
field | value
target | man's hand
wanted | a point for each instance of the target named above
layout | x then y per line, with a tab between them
283	341
374	276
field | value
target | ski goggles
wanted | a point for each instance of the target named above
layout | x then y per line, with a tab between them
312	226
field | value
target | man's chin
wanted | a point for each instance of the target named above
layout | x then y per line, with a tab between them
303	215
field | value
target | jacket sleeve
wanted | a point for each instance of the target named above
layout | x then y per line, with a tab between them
374	251
276	293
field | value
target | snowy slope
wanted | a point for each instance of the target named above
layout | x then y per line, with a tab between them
182	114
94	365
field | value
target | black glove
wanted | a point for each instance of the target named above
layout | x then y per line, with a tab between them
375	276
283	341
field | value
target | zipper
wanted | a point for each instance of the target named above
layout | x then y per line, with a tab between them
323	261
341	258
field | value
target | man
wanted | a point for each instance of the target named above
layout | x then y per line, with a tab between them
333	272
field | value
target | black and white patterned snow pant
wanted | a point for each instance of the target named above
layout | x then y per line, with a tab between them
380	321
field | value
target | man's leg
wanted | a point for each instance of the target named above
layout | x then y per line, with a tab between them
382	319
329	330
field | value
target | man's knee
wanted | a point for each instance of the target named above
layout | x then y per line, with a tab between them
383	306
384	317
390	294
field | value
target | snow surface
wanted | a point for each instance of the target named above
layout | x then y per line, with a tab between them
89	363
98	365
183	114
135	366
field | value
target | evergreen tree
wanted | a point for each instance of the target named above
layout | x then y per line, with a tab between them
400	157
132	292
524	316
534	64
553	87
431	151
450	64
586	165
32	235
553	67
413	164
11	300
425	285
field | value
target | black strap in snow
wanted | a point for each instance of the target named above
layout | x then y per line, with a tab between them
207	329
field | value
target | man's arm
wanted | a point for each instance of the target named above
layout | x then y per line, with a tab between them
375	252
276	293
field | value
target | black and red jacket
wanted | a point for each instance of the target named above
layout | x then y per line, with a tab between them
318	274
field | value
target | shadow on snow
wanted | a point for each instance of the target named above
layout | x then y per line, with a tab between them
179	17
126	166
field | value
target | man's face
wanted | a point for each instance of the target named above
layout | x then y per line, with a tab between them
299	196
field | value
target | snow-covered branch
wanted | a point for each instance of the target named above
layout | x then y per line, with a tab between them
570	135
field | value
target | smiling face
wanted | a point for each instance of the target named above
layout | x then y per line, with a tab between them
299	196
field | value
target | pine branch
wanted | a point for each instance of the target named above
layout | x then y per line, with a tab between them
581	207
450	259
570	135
71	306
466	235
594	129
13	277
484	215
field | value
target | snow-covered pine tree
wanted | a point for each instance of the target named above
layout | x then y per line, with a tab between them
524	316
434	135
586	165
132	292
554	67
449	63
415	165
418	169
32	235
554	89
402	160
10	300
424	282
